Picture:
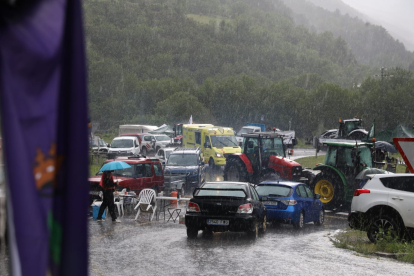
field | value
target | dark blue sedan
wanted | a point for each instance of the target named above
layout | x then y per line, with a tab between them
291	202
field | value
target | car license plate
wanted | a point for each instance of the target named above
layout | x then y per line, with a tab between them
271	203
217	222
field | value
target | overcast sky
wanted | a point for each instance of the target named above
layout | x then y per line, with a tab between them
395	15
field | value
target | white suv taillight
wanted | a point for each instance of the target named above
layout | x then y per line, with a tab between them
193	207
245	209
361	191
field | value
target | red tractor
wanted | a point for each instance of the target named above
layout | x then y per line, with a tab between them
262	158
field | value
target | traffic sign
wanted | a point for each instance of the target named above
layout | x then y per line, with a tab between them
406	148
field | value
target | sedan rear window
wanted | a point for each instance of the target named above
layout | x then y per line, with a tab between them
274	190
218	190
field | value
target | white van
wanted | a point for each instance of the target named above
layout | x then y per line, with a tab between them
123	146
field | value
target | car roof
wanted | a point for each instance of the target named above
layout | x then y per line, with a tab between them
139	135
228	183
134	160
123	137
262	134
186	151
276	182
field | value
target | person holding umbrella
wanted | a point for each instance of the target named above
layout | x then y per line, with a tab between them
108	186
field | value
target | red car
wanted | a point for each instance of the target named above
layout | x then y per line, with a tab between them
144	173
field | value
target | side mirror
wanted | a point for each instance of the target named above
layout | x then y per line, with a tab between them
109	145
263	198
317	196
152	140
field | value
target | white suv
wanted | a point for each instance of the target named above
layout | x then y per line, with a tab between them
154	142
123	146
384	206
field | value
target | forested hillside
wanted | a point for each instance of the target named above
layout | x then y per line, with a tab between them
226	62
371	44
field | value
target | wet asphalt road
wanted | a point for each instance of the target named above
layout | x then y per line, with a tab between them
160	248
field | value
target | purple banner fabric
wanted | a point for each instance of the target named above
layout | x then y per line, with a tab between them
44	131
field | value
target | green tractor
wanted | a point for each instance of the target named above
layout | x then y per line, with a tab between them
337	181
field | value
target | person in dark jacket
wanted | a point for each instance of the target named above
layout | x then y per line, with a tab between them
108	186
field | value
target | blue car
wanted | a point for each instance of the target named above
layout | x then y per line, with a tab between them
291	202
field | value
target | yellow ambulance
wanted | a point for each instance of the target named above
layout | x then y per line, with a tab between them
215	142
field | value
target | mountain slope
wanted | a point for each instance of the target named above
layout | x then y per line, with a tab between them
371	44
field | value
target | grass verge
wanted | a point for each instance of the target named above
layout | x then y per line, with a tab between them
311	161
358	241
302	144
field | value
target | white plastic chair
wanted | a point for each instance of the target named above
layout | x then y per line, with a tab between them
146	196
120	204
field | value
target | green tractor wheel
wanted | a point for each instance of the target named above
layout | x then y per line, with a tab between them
331	191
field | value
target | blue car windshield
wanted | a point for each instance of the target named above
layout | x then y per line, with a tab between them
219	192
274	190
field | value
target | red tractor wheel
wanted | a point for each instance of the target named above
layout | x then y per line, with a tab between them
235	170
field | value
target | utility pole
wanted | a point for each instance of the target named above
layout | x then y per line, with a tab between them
382	96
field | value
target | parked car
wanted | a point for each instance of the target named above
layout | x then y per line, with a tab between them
225	206
140	136
145	173
384	206
291	202
99	145
327	134
152	143
163	154
123	146
187	164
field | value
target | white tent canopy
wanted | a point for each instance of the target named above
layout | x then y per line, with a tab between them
125	129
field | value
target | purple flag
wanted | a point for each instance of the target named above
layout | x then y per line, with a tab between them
44	131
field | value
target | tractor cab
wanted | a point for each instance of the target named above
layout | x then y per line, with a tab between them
349	158
259	147
262	158
351	129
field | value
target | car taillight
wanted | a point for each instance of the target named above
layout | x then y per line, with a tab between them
361	191
193	207
288	201
245	209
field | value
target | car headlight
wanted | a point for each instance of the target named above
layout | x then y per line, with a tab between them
218	155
